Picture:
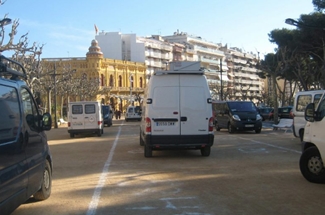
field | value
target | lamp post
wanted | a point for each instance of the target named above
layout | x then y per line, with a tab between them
221	90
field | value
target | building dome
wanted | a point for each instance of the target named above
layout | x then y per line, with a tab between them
94	50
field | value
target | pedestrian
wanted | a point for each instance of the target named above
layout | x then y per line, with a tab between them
116	114
119	114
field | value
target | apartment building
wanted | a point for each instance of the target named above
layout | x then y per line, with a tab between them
245	84
212	58
152	51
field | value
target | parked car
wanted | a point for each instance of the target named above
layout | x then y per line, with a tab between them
108	115
302	99
264	112
283	112
25	158
311	161
133	113
237	116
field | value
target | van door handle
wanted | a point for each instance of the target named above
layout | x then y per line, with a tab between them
183	118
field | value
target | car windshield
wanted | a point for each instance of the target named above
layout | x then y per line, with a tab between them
242	106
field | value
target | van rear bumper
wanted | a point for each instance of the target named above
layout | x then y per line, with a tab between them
179	141
78	131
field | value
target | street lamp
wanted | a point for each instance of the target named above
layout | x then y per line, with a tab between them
221	90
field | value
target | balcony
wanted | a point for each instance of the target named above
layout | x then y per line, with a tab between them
209	51
178	49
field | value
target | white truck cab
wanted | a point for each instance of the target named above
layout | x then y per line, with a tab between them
313	144
85	117
177	110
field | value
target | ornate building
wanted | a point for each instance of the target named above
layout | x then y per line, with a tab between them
119	83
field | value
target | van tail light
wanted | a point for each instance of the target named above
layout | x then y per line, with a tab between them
148	124
69	124
100	122
211	124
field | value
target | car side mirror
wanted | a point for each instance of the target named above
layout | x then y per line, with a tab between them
47	121
310	112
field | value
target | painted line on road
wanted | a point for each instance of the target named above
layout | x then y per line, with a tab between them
271	145
102	179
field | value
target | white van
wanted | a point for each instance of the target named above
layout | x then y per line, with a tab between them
133	113
302	99
177	110
313	146
85	117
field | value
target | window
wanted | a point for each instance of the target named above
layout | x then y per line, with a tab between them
9	114
120	81
90	108
302	102
30	110
77	109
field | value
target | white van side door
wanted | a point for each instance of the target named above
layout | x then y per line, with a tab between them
195	111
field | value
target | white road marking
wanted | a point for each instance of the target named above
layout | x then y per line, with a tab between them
271	145
101	182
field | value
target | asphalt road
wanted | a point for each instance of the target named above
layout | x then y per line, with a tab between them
246	173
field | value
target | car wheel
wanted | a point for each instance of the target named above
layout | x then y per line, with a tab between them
257	131
205	151
230	128
311	165
147	151
71	135
45	191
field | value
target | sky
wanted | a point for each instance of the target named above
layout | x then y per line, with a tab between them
66	27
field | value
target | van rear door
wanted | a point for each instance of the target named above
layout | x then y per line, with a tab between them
165	106
90	116
195	111
76	116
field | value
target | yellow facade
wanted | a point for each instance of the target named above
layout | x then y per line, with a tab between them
117	79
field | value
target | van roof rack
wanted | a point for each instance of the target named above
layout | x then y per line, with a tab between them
7	71
183	67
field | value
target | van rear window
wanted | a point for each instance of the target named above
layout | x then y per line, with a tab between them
89	109
77	109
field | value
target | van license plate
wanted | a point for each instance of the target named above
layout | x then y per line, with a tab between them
165	123
249	125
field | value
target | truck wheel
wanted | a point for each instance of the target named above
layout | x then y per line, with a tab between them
71	135
147	151
230	128
205	151
45	191
311	165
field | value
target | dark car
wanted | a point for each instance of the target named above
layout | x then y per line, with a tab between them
25	158
237	116
107	115
283	112
264	112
